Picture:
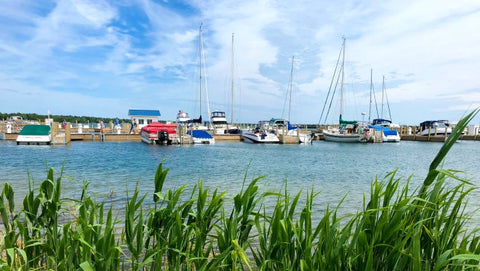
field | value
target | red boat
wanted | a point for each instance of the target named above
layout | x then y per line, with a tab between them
159	133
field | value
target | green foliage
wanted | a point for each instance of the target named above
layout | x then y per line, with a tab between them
397	228
60	118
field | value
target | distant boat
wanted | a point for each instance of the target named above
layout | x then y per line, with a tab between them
347	133
183	118
386	134
381	126
218	119
159	133
261	134
219	122
201	137
283	126
291	131
435	127
34	135
202	84
348	130
262	137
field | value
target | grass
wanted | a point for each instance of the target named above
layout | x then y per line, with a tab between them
397	228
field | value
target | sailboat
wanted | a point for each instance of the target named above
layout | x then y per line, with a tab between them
291	131
348	130
199	134
381	126
218	118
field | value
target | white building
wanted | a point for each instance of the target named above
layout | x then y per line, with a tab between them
143	117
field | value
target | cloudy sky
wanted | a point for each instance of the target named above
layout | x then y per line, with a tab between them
101	58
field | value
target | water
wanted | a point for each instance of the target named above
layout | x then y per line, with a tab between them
333	169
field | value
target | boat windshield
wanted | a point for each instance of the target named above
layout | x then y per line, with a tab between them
383	122
218	114
433	124
278	122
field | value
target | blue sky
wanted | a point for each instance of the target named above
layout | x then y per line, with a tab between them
101	58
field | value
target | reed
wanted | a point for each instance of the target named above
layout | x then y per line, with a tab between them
397	228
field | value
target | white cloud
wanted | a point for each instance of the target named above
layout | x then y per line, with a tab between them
97	49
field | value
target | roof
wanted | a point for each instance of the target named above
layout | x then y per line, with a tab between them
142	112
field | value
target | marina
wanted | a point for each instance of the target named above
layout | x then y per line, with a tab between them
87	132
112	168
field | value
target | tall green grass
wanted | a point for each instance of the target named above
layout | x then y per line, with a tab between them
397	228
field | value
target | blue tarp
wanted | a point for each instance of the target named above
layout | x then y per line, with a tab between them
200	134
386	131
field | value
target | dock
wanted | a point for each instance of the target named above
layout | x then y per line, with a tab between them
73	133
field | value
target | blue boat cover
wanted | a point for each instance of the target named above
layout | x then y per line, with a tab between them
386	131
200	134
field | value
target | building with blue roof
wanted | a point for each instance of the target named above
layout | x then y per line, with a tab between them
143	117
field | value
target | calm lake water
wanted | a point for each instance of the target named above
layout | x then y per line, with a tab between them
333	169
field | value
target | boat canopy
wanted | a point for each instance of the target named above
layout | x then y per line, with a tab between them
156	127
37	130
280	123
346	122
199	134
434	124
386	131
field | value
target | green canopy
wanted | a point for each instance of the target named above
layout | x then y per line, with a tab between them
346	122
35	130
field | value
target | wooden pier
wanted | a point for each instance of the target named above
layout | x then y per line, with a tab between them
61	136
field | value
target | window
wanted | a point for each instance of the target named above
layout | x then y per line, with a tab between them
140	121
149	121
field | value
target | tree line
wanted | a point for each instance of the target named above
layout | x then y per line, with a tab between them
58	118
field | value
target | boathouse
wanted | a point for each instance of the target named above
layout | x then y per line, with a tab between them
143	117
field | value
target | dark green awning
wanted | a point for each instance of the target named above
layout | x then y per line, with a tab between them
35	130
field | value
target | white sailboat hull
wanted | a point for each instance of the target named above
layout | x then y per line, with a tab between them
336	136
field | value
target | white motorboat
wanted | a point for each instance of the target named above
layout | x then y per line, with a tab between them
435	128
219	122
383	133
34	134
260	136
183	118
283	126
302	137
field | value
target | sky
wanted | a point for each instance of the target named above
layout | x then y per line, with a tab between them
101	58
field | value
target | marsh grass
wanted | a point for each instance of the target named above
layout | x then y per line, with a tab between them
397	228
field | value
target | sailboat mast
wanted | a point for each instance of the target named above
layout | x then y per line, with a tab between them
233	67
343	76
291	82
200	50
386	99
383	93
371	87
